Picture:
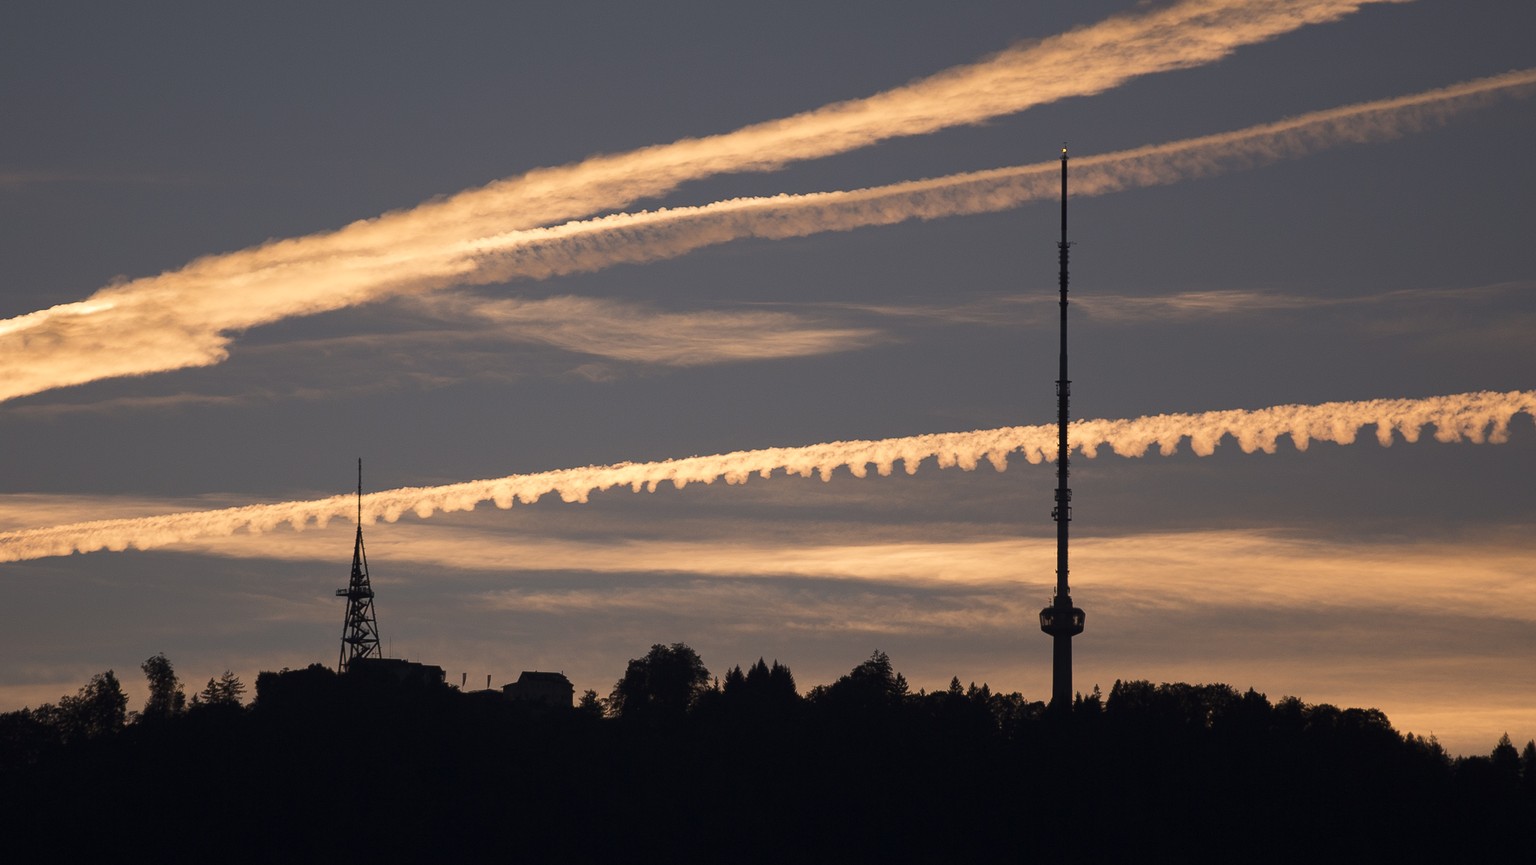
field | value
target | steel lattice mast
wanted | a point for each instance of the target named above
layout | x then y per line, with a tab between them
1062	620
360	630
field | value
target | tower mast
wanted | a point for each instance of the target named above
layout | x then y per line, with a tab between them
360	630
1062	620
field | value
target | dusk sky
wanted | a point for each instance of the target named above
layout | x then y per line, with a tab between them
242	246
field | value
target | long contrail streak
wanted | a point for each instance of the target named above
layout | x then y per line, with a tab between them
185	318
627	238
1475	417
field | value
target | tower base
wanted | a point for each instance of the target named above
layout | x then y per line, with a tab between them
1062	622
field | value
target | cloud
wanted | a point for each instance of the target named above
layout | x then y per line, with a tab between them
31	178
1145	574
453	337
40	177
1195	305
1475	417
186	318
644	236
1432	629
1350	621
634	333
1179	306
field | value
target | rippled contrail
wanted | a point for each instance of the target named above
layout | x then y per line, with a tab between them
1475	417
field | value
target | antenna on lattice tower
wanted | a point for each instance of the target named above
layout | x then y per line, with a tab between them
360	628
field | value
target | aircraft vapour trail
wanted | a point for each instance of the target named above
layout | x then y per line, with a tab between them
628	238
185	318
1475	417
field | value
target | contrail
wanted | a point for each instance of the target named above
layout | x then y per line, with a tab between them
1476	417
628	238
185	318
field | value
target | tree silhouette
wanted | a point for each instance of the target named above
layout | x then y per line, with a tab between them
761	685
666	683
871	686
781	682
99	708
225	691
590	703
735	681
296	690
1506	763
1528	769
166	697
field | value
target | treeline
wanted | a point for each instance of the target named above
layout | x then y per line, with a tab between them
675	764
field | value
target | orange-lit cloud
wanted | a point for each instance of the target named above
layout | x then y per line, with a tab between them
459	336
1138	309
628	238
637	334
1434	630
1187	305
1145	573
187	317
1475	417
1427	628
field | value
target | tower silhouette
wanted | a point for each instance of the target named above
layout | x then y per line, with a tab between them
1062	620
360	630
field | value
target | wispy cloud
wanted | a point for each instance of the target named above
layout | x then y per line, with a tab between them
40	177
1137	309
635	333
1144	573
644	236
33	178
1352	620
1193	305
453	337
186	318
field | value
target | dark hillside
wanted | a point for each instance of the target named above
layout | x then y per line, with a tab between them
337	768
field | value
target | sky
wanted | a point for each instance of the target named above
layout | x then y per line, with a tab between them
241	248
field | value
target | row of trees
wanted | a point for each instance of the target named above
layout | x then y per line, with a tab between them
166	697
671	682
677	764
101	708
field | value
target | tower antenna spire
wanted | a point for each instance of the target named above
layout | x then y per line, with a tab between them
1062	620
360	628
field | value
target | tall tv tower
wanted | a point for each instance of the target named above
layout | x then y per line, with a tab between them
360	630
1061	620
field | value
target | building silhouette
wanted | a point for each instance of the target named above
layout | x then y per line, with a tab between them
551	689
398	672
